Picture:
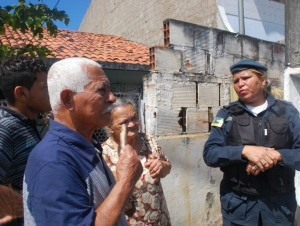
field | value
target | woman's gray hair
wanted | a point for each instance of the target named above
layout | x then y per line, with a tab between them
121	101
69	73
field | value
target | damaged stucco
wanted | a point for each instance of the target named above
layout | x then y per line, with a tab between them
192	71
190	78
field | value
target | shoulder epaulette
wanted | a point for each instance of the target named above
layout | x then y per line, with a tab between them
234	108
283	102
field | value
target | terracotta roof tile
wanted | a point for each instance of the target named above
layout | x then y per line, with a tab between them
99	47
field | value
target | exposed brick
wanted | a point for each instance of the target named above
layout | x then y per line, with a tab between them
176	89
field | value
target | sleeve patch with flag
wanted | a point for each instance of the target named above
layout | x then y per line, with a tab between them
218	122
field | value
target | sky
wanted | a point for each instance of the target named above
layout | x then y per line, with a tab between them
74	8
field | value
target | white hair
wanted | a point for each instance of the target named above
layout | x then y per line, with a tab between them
69	73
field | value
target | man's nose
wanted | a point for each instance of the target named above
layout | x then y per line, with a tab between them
111	97
130	124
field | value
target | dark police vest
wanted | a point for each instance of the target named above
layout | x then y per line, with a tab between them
271	131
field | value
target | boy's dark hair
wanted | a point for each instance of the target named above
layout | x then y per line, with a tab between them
19	71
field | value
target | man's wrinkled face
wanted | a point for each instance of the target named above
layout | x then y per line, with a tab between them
91	106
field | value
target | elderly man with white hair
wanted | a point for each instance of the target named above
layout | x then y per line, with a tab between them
66	181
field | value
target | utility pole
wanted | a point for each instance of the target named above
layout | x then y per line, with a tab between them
241	17
292	33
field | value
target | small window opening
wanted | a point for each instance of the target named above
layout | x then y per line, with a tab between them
219	94
182	119
208	58
210	118
197	100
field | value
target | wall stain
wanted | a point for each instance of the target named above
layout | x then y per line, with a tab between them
212	181
209	201
277	49
188	64
186	141
199	163
187	204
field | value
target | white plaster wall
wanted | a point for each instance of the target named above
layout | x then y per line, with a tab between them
292	86
142	21
192	188
291	93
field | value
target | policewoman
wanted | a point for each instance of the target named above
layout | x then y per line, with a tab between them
256	143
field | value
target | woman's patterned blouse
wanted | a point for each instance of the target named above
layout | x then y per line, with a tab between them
147	205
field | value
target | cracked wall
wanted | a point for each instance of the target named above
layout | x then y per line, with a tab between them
189	82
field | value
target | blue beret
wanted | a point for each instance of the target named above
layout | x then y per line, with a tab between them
247	64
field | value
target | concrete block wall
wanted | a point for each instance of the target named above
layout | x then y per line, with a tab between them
196	79
192	71
144	25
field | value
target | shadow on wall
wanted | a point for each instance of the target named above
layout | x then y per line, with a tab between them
297	218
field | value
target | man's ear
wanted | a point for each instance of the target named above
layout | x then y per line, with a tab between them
66	97
20	93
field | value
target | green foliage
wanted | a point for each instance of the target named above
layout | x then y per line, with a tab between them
30	18
30	49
